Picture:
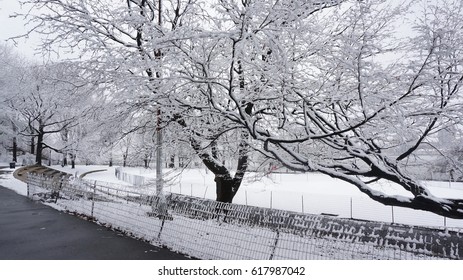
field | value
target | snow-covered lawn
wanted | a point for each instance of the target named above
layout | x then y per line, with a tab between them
307	193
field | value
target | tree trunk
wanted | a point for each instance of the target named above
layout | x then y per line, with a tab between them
15	150
38	155
32	145
15	143
225	189
226	185
172	161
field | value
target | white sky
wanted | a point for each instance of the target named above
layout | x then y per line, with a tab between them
10	27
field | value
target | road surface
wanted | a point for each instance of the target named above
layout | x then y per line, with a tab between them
33	231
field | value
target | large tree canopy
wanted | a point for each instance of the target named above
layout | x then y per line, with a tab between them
133	46
328	86
339	92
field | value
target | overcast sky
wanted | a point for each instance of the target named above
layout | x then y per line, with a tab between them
10	27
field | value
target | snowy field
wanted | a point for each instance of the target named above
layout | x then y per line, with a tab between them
307	193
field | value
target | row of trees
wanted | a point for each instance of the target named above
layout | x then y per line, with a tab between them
57	108
38	101
327	86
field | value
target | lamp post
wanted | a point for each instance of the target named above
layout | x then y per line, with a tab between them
159	183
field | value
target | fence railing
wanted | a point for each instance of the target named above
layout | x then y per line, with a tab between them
343	206
208	229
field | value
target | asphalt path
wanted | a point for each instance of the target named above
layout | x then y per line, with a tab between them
33	231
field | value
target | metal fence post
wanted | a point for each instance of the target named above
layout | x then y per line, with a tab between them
163	218
59	190
28	183
162	208
93	199
277	238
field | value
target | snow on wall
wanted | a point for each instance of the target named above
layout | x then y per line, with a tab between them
208	229
133	179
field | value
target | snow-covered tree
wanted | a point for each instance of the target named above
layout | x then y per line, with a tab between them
48	99
327	86
133	44
337	90
10	69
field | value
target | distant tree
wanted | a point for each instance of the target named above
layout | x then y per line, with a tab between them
10	65
48	100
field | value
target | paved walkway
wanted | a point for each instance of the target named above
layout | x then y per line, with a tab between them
31	230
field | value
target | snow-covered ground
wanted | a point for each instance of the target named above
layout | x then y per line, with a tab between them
308	193
311	193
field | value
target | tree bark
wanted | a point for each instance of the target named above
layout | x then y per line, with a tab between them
172	161
38	155
226	188
15	150
32	147
73	161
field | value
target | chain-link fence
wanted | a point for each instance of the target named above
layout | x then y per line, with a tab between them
208	229
358	206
